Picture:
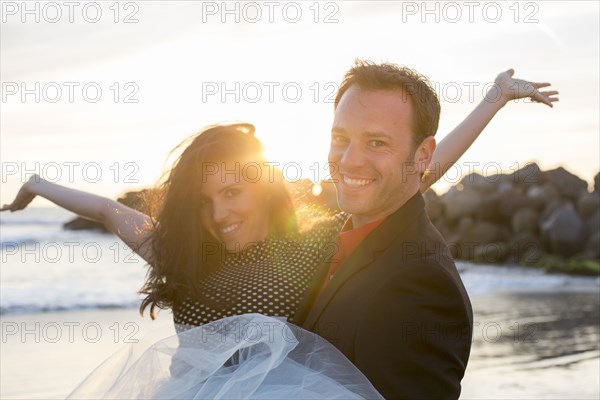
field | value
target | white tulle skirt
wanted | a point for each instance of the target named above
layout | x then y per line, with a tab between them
242	357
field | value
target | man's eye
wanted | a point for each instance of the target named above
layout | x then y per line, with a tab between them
204	201
338	139
376	143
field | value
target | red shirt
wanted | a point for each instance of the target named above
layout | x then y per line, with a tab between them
346	242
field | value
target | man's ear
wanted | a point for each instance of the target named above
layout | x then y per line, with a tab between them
424	153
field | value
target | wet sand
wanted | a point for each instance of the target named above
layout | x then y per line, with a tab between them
542	345
525	345
46	355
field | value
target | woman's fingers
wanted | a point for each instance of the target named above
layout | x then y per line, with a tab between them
6	207
550	93
537	96
520	88
538	85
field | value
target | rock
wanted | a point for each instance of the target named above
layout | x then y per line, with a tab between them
541	195
505	187
465	224
480	182
588	204
525	248
433	205
552	206
488	210
460	203
511	202
491	253
568	185
530	174
531	257
563	231
592	225
80	224
529	217
592	248
525	219
482	233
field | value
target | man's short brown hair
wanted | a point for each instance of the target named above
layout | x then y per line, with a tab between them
386	76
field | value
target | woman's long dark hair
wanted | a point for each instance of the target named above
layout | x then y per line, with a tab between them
183	250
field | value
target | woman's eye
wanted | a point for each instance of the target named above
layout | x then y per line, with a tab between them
232	192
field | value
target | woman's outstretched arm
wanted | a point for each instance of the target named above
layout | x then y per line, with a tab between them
454	145
132	226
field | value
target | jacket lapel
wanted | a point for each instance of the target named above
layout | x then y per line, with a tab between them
359	259
363	255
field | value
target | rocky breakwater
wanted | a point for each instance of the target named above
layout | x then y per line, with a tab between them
531	217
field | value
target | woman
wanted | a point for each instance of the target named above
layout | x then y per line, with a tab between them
226	243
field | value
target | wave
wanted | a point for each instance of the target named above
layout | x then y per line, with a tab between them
33	308
111	291
32	221
485	279
22	236
31	225
78	294
37	216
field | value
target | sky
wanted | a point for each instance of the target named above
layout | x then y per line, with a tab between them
95	94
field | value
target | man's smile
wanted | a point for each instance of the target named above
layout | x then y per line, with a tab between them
355	182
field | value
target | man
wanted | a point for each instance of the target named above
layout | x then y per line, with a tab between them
391	298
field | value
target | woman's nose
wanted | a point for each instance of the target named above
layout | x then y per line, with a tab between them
220	212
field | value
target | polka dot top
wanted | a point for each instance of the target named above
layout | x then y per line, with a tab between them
268	278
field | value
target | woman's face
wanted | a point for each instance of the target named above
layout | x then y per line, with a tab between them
235	208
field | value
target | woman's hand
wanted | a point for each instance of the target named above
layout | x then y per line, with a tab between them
24	196
513	89
133	227
453	146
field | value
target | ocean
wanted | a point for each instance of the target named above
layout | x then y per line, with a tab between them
46	268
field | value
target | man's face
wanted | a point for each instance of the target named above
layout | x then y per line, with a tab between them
371	155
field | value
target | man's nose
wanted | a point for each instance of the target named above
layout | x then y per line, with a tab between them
352	156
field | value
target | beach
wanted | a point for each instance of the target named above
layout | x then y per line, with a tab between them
540	344
45	355
537	345
68	300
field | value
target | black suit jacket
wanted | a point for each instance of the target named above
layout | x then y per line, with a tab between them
397	309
